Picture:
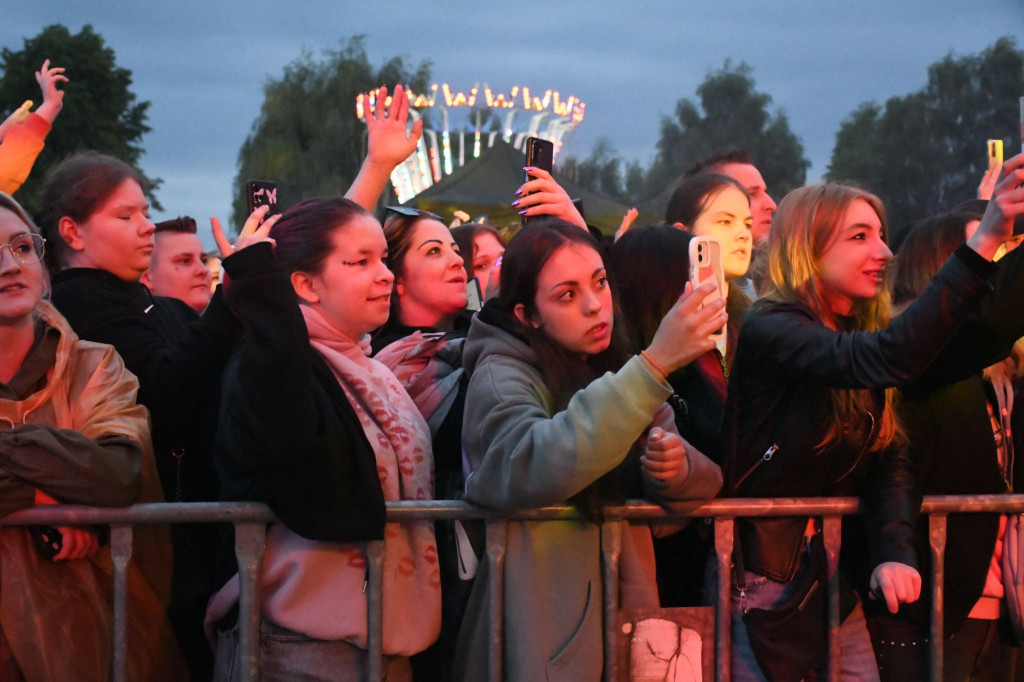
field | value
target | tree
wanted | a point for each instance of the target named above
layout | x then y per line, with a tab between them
601	172
307	137
924	153
100	110
731	115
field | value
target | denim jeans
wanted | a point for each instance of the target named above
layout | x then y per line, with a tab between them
287	656
857	658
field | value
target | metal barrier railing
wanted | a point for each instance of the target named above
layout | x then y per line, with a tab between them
250	520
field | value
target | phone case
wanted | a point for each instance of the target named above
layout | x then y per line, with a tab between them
540	153
262	193
705	264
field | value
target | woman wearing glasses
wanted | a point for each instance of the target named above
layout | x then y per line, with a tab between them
70	432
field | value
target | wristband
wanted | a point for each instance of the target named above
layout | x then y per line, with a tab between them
646	356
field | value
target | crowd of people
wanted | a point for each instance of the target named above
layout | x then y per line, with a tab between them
340	364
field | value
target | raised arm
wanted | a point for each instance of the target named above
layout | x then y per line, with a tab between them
389	145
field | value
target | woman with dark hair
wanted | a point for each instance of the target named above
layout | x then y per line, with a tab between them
557	411
95	215
481	247
422	344
810	413
324	435
72	434
430	280
651	269
960	440
94	212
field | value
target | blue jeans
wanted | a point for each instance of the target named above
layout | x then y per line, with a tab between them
287	656
857	658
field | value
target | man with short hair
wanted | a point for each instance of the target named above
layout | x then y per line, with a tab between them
178	266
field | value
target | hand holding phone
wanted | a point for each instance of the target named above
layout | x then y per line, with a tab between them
540	153
262	193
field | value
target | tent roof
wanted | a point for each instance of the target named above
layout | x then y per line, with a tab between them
487	185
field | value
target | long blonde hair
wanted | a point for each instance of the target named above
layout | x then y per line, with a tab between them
806	224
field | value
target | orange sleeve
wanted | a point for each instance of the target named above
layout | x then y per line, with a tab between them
18	151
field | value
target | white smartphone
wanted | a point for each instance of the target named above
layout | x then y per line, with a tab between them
705	265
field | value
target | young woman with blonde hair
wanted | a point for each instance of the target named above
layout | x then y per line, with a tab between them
809	413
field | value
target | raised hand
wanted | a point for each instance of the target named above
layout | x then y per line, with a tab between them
53	99
547	198
685	332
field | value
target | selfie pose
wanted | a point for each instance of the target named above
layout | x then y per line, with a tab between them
809	415
557	412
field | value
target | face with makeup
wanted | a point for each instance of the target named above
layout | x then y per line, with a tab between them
852	267
573	303
431	279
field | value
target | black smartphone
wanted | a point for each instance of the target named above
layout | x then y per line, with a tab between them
262	193
540	153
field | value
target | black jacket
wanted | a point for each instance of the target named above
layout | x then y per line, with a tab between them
950	442
288	435
176	355
786	363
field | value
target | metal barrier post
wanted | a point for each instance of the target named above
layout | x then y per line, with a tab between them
374	609
724	538
832	534
496	597
121	554
250	542
611	550
937	543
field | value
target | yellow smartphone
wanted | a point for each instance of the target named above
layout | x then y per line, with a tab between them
995	153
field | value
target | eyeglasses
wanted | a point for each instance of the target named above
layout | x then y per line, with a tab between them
409	212
27	249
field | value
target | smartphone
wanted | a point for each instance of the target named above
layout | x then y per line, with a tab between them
540	153
22	113
705	265
474	298
995	153
262	193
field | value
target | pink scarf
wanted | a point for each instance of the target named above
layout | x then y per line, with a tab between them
393	425
317	588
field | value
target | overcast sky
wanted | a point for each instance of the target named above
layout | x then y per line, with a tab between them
202	63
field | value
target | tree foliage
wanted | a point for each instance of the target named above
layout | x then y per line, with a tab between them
731	114
307	138
924	153
100	110
600	172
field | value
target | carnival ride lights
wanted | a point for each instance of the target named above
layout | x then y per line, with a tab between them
551	117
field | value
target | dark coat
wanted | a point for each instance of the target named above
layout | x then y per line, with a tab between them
288	435
787	362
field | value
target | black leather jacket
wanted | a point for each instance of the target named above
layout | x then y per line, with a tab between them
778	409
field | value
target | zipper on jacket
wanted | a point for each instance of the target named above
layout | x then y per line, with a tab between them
766	457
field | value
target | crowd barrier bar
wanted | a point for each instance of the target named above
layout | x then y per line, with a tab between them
250	520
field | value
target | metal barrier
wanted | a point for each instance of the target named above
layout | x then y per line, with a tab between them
250	520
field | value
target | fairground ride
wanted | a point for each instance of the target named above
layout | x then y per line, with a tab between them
510	117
